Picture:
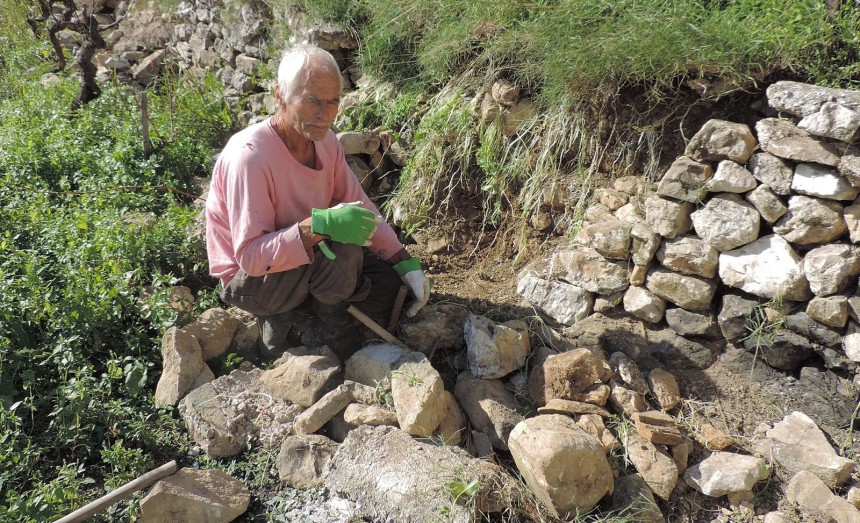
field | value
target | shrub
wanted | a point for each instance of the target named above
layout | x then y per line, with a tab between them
87	220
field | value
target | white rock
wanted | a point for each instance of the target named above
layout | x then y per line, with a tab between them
666	217
689	255
195	495
418	394
772	171
853	496
767	203
664	387
302	375
631	185
490	407
214	330
611	239
851	215
823	182
851	341
725	472
796	443
731	177
505	93
685	180
355	142
829	310
803	100
321	412
690	292
782	138
182	363
495	349
727	222
586	268
562	464
561	301
631	213
767	267
719	140
811	221
777	517
832	121
611	198
371	364
830	268
644	243
643	304
302	459
656	466
849	166
813	496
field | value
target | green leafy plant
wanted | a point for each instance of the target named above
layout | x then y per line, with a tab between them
763	324
458	490
89	219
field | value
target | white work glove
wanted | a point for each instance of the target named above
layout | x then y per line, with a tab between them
411	274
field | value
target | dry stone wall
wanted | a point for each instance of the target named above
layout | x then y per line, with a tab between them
747	217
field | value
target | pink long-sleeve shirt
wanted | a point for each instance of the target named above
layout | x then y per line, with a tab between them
258	195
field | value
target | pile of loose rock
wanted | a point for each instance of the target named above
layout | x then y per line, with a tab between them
394	436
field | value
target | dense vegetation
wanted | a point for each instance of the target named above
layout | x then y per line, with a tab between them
88	219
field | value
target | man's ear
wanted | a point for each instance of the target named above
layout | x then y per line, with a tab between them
277	92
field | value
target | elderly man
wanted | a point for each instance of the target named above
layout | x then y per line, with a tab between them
287	221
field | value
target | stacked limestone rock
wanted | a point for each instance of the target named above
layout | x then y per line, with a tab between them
741	219
199	36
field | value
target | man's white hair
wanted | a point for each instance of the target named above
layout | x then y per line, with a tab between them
296	65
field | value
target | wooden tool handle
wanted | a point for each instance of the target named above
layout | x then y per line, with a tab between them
398	307
123	492
372	325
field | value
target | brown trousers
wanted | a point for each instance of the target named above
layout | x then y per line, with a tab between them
355	275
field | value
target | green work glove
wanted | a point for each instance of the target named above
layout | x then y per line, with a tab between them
344	223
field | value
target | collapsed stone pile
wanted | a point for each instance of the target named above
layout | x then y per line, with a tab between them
391	434
742	220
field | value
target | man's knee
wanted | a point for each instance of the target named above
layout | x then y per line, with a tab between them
347	256
336	280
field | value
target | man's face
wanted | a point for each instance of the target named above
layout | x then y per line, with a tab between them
312	108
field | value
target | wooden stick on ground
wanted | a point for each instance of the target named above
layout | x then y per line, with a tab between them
372	325
123	492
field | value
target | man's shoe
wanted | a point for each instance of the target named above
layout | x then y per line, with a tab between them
275	334
344	339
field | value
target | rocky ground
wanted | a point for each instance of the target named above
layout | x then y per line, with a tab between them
735	394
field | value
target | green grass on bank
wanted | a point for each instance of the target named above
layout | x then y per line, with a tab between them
573	58
584	48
